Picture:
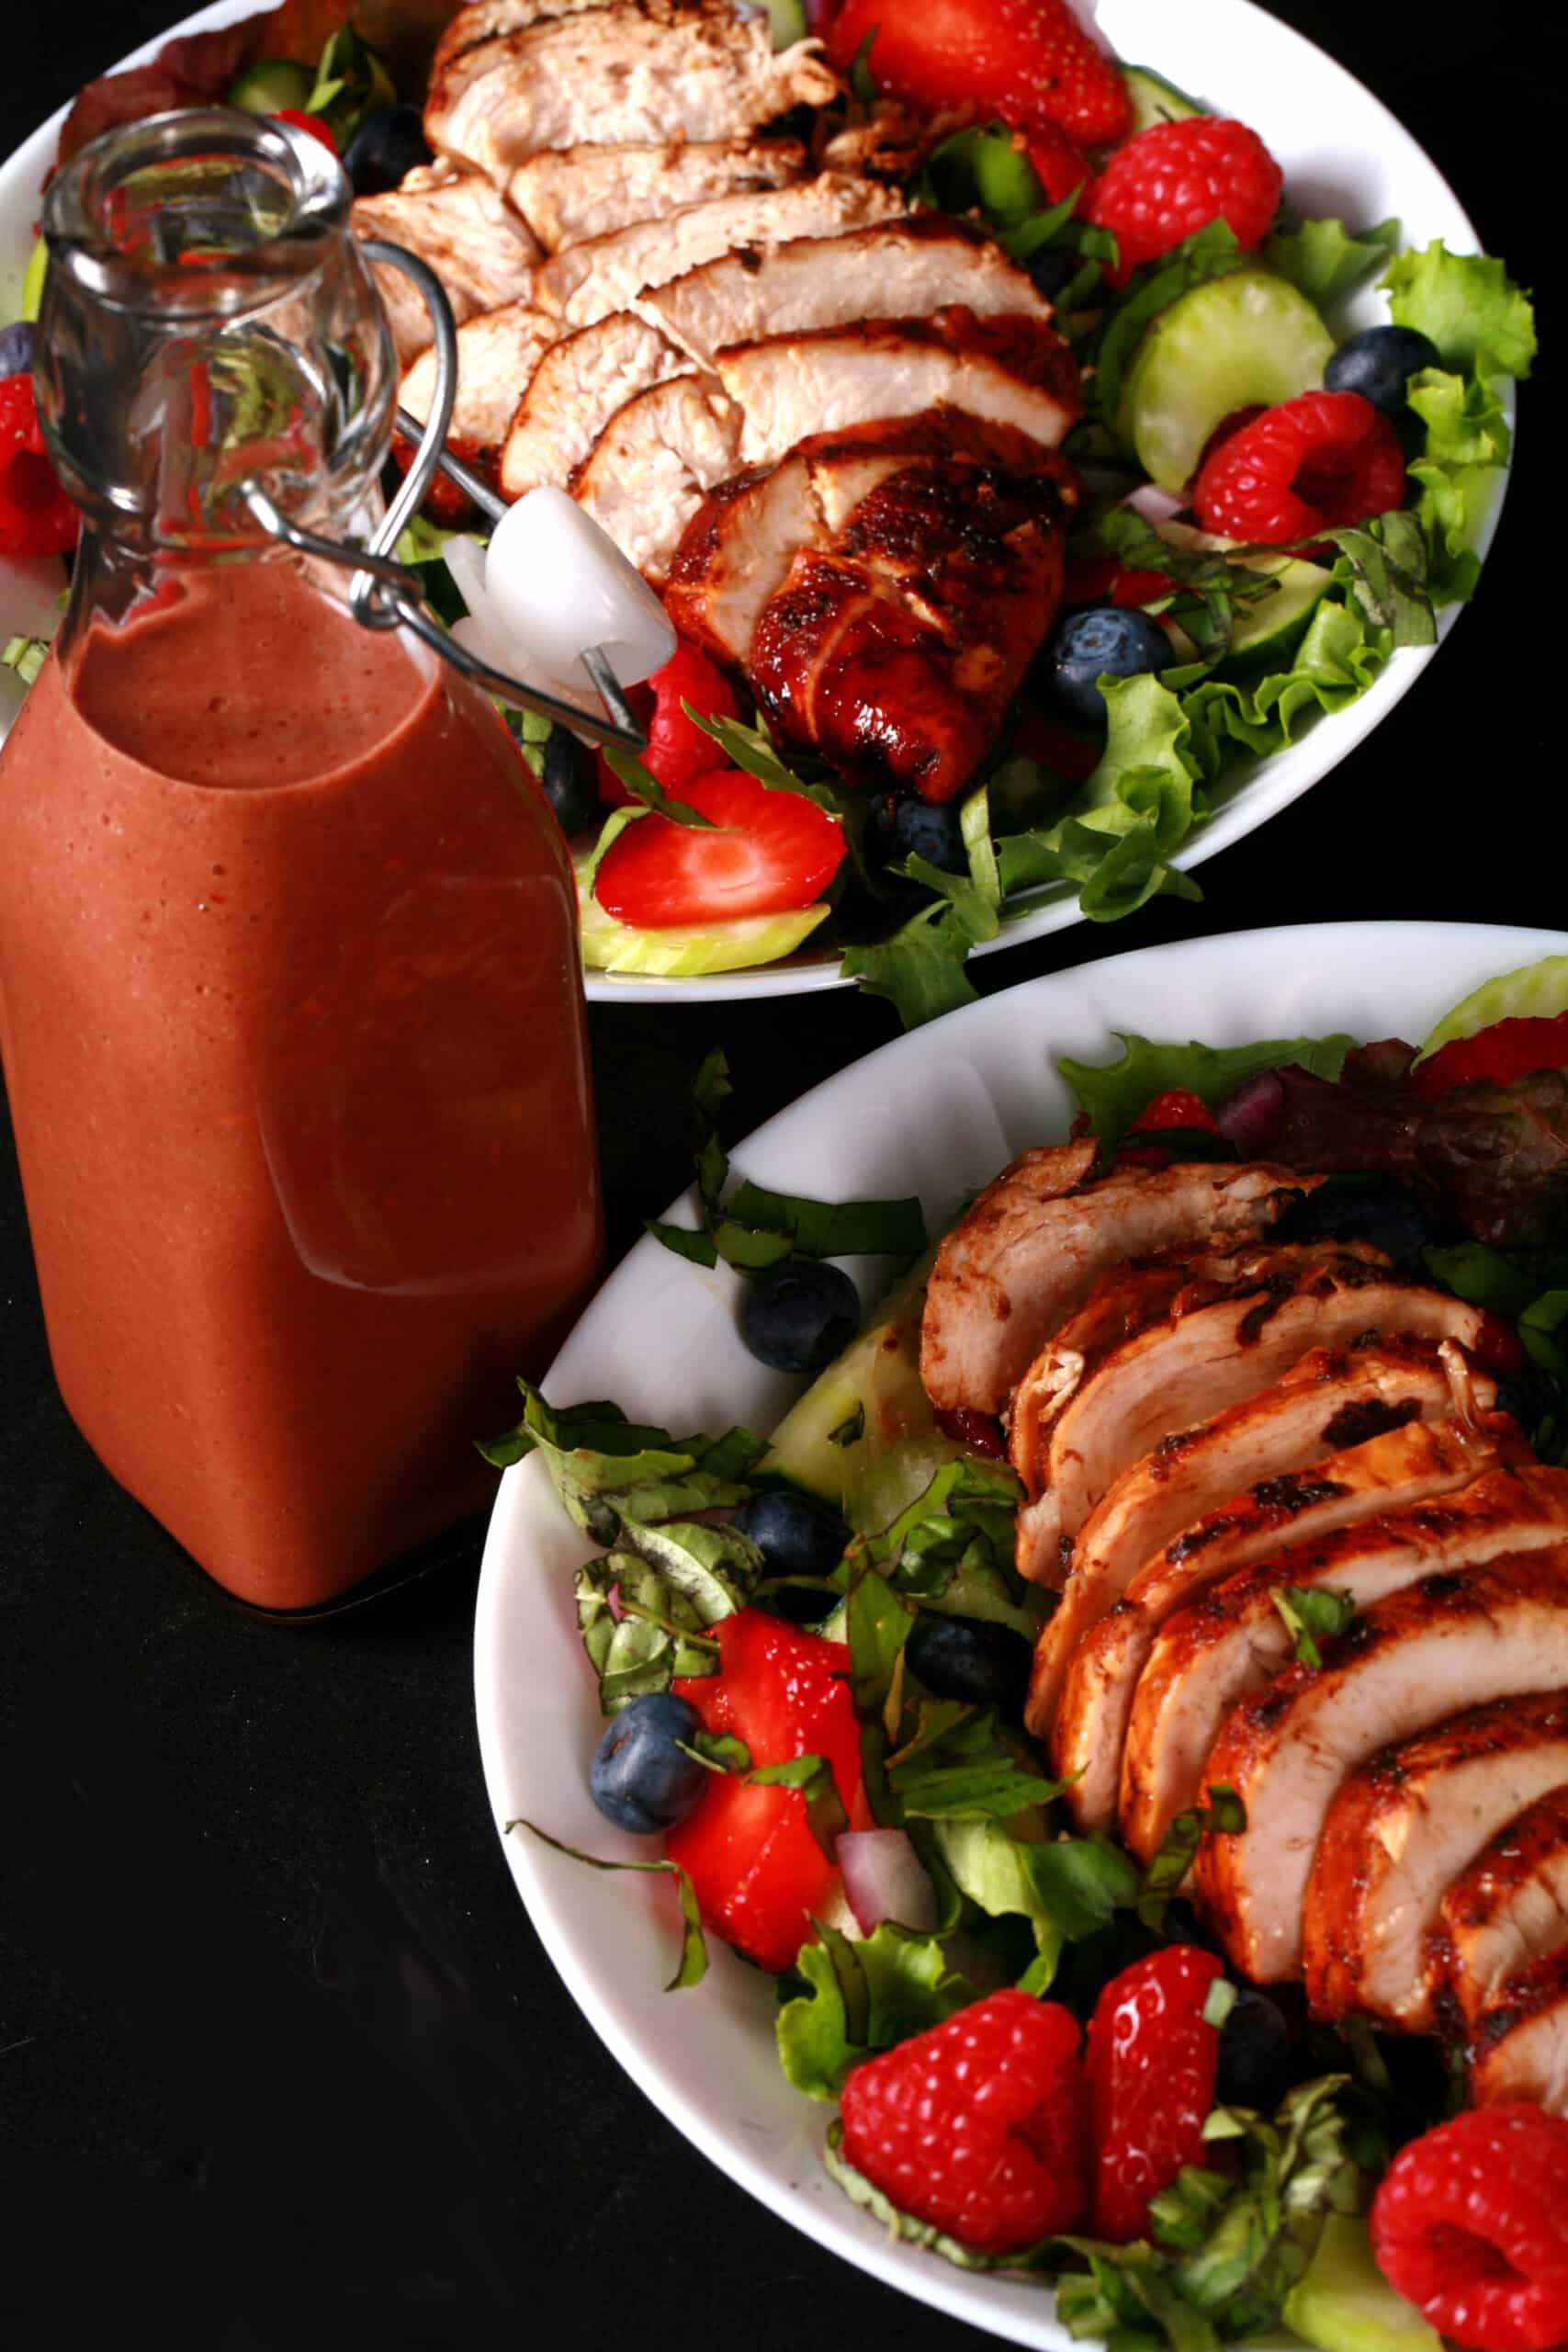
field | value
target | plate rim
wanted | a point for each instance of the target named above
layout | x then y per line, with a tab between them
1002	2303
21	176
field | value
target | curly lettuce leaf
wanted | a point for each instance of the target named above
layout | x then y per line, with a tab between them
1324	260
1113	1094
1469	306
862	1995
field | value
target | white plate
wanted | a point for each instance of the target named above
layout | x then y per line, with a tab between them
938	1112
1342	153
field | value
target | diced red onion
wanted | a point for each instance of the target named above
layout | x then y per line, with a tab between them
1250	1117
884	1879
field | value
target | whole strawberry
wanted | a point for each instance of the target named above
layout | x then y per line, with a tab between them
1175	177
1030	60
1469	2224
1152	2060
976	2126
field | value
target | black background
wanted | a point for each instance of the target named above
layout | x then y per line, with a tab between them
282	2065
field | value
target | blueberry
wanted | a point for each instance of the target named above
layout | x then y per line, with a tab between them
1380	363
1378	1209
1099	639
796	1535
1051	268
16	348
908	827
797	1316
639	1779
568	778
966	1658
385	149
1256	2047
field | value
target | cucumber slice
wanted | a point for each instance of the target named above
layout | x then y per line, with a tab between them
900	1450
1156	100
1224	345
270	85
1535	993
1267	630
1345	2304
786	22
32	280
685	951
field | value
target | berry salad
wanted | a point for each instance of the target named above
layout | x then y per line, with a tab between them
1137	467
1124	1704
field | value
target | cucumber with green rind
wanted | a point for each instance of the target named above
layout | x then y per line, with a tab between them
32	280
1535	993
271	84
1156	100
1272	624
1344	2303
685	951
1248	338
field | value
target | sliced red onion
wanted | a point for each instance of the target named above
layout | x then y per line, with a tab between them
884	1879
1156	506
1250	1117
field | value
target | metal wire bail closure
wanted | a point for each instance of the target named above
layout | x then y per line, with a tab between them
385	593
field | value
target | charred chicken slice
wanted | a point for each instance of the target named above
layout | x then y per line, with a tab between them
648	471
1518	2047
1030	1248
496	352
579	384
1196	1364
1224	1646
1082	1687
1507	1909
1405	1665
480	250
1400	1830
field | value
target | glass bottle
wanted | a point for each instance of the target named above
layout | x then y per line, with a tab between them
290	1000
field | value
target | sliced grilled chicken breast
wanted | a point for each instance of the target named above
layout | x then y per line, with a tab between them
1507	1909
480	250
648	471
738	550
1406	1663
1006	369
1030	1249
1128	1299
1235	1474
485	19
1224	1648
579	385
1400	1830
497	354
1086	1702
894	650
630	73
569	193
894	269
1188	1367
599	275
1519	2045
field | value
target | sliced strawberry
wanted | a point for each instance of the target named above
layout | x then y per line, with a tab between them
774	851
1060	164
1030	60
757	1870
1177	1107
1152	2060
1506	1051
678	750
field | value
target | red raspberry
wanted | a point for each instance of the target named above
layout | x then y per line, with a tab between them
1323	460
976	2126
1470	2225
1152	2061
1176	177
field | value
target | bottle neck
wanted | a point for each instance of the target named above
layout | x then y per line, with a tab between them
209	324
